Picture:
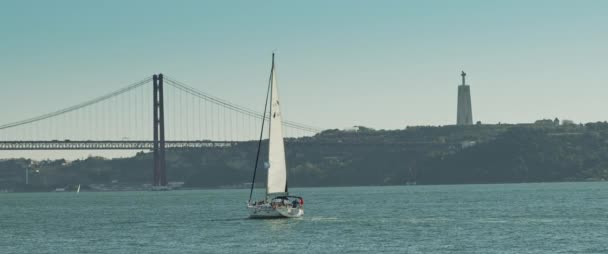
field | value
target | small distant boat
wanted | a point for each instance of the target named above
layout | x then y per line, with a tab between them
277	203
78	189
161	188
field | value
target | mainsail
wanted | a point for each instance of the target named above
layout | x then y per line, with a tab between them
277	172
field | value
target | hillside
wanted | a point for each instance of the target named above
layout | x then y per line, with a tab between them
426	155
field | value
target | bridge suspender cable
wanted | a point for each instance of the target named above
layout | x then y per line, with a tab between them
182	88
234	107
79	106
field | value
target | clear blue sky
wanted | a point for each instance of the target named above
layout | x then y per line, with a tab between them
383	64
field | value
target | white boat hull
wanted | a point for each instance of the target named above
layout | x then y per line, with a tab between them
290	212
266	211
161	188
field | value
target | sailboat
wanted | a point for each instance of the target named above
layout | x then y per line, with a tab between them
277	203
78	189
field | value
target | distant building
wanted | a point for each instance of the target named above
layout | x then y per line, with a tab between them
465	113
358	128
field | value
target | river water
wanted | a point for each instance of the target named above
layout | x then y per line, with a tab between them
497	218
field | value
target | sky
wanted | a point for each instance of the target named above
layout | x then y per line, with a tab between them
381	64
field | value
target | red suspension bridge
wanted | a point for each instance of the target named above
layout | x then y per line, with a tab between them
181	117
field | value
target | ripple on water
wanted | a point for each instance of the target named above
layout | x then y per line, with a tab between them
518	218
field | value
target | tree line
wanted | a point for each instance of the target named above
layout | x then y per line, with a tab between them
502	153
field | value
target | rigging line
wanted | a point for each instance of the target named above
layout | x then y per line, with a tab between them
257	157
235	107
78	106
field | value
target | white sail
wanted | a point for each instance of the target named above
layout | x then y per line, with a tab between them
277	172
78	190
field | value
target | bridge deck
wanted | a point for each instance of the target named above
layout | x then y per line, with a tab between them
149	145
106	145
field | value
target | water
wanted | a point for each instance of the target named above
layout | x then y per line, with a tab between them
511	218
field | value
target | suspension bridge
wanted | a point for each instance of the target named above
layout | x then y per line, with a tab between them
155	113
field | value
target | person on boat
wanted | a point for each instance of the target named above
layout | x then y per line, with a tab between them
294	203
301	202
285	201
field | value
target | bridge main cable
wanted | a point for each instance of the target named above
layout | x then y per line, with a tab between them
234	107
78	106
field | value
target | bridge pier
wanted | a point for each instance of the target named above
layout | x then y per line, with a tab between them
160	172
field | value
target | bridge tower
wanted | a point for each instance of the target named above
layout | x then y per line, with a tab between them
160	165
465	114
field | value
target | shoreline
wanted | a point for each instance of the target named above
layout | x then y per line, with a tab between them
133	189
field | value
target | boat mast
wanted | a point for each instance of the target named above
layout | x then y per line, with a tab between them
271	87
257	157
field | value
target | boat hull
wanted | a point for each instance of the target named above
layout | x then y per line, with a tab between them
290	212
161	188
265	211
